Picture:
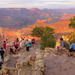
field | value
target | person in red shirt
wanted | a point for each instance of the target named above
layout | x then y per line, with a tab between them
16	46
4	45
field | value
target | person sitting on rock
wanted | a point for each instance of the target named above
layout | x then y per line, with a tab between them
62	45
11	51
71	49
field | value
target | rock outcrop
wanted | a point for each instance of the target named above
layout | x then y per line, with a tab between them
30	65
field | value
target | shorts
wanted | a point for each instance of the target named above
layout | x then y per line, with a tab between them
33	42
16	47
60	48
27	48
1	65
71	50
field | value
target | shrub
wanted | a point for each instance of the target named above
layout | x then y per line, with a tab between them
72	24
47	40
38	31
67	45
49	30
46	34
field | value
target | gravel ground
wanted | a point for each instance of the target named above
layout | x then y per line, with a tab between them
59	65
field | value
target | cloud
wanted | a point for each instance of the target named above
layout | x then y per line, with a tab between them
36	3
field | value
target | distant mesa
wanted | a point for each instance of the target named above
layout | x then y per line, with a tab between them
22	17
22	20
61	27
67	16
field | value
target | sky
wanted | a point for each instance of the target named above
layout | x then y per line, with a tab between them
37	4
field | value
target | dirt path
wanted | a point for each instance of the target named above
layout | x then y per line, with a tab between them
59	65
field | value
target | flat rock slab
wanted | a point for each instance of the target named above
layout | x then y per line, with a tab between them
25	71
59	65
11	62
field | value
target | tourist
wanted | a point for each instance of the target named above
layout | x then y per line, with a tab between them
4	45
2	53
71	49
27	45
11	51
14	49
33	42
24	41
13	43
17	40
62	46
21	44
8	44
17	46
30	41
1	62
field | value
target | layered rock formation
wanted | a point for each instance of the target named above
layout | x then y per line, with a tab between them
30	65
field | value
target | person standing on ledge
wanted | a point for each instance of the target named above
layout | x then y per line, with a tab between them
27	45
4	45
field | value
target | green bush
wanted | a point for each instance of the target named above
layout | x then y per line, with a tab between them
48	30
38	31
67	45
47	40
46	34
72	24
71	37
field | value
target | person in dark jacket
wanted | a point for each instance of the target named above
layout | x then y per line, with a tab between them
2	53
11	51
1	62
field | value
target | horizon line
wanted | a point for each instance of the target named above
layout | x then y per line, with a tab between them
34	8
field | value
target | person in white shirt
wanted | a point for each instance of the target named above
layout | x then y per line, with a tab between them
29	41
